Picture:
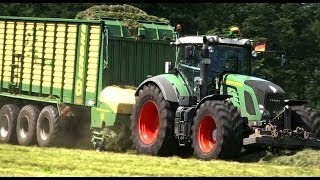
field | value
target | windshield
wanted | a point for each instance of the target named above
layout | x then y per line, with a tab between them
223	58
229	58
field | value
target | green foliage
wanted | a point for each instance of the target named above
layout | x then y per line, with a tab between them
291	28
53	10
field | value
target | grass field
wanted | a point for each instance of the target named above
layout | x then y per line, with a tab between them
36	161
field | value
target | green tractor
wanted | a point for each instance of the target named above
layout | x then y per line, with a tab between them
210	101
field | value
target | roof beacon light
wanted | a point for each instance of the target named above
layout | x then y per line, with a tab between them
235	31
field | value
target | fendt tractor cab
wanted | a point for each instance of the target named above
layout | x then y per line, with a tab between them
210	101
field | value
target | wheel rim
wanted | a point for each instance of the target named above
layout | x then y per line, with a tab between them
149	122
207	134
4	126
24	127
44	128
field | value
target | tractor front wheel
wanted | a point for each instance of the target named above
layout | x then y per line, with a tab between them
217	131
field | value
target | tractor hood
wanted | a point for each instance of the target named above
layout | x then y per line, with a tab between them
268	95
253	82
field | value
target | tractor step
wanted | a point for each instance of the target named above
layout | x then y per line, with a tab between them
182	124
267	140
98	139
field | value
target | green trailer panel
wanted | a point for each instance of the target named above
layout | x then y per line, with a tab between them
156	31
130	61
49	58
72	61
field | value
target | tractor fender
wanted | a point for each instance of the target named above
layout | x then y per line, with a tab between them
166	87
213	97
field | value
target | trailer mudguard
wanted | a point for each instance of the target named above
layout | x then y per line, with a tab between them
172	86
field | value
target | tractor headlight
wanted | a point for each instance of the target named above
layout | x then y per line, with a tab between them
266	113
261	107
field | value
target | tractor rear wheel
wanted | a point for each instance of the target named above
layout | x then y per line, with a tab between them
152	122
8	120
217	131
26	125
306	118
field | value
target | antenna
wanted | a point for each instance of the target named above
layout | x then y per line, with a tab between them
198	29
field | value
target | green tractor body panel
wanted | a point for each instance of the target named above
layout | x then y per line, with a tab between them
253	96
234	85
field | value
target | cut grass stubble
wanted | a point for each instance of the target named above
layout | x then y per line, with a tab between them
36	161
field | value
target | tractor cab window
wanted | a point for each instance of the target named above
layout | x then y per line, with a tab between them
231	59
190	55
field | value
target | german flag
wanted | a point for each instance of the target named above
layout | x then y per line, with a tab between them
260	47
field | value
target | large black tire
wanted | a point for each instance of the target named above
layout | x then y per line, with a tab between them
8	120
237	129
306	118
152	123
48	126
26	125
221	120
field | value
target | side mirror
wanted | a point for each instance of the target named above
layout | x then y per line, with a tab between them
254	55
167	67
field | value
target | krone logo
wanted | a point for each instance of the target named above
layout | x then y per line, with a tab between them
79	82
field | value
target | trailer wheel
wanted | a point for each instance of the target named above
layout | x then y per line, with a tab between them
152	122
306	118
48	126
8	119
26	125
216	131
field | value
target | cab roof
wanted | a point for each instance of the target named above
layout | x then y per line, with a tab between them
199	40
